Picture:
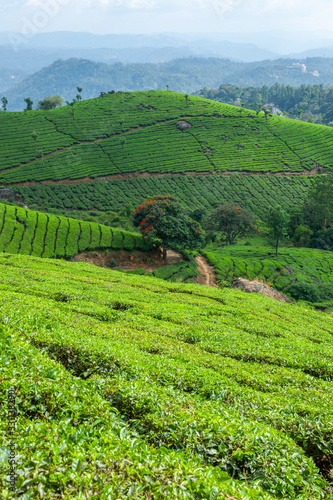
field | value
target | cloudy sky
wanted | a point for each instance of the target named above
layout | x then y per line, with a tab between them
151	16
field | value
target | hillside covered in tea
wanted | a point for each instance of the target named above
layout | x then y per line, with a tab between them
131	387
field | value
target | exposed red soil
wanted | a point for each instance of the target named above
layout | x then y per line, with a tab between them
207	276
128	261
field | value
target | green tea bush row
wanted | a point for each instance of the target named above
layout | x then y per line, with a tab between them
237	379
64	453
184	337
26	232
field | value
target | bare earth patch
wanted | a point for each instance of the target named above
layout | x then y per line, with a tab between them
128	261
207	276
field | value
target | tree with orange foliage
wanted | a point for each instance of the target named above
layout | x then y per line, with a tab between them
163	219
231	221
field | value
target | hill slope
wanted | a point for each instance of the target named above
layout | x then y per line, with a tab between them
253	192
189	384
34	233
158	133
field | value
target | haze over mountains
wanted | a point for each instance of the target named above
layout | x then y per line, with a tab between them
31	66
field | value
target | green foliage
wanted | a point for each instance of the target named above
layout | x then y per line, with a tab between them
307	101
51	102
138	386
164	218
29	104
303	235
232	222
277	222
4	101
311	292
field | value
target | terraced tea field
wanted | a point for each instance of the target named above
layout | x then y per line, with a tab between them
128	386
292	264
256	193
156	132
34	233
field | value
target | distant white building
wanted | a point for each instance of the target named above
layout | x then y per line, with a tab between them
273	109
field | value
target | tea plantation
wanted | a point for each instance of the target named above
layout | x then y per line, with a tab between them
291	265
156	132
132	387
34	233
256	193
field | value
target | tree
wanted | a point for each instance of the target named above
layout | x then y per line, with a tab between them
277	223
318	207
303	235
51	102
29	104
267	112
78	96
4	101
35	135
163	219
231	221
167	87
299	112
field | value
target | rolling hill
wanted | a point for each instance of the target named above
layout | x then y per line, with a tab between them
115	150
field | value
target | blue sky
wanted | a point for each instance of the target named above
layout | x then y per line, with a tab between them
152	16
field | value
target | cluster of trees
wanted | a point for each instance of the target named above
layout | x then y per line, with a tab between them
312	103
164	220
51	102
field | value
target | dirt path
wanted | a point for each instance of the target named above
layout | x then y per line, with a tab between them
131	175
207	276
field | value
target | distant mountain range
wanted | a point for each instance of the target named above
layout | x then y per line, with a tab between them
187	75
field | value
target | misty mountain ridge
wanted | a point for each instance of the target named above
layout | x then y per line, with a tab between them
186	75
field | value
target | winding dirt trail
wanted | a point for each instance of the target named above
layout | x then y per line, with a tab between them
207	276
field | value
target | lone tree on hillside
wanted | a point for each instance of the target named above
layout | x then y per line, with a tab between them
78	95
163	218
51	102
4	101
232	222
29	104
35	136
318	207
277	222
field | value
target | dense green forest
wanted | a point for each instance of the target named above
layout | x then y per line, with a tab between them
313	103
